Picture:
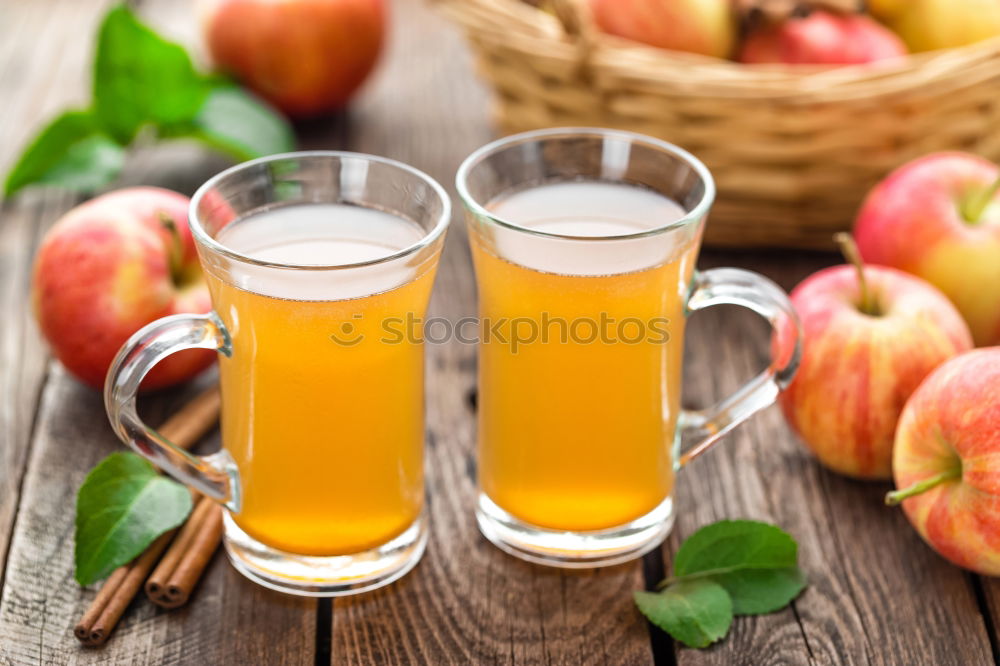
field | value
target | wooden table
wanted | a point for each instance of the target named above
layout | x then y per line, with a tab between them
877	595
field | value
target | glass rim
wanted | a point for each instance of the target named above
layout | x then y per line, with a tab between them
697	212
206	240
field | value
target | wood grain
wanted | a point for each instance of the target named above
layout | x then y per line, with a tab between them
725	347
989	605
229	616
230	620
45	80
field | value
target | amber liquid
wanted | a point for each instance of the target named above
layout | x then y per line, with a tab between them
577	435
327	435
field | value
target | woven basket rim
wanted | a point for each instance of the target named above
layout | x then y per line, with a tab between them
516	25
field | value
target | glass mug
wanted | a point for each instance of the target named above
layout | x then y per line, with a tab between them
305	254
584	243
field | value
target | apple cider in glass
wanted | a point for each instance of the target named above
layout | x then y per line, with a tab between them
575	426
323	419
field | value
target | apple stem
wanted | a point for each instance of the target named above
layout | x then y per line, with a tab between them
176	249
896	496
853	256
975	209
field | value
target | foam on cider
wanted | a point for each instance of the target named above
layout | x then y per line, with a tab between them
592	209
315	235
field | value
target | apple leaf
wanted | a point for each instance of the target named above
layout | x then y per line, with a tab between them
71	151
237	124
754	561
695	612
141	78
759	591
735	543
752	564
121	508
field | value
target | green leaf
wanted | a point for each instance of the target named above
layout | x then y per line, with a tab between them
754	561
758	591
696	612
735	543
71	151
237	124
140	78
123	505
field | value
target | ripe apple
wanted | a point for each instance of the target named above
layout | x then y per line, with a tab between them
885	10
947	460
307	57
822	38
698	26
938	217
926	25
867	345
109	267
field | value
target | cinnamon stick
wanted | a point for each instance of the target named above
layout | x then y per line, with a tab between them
184	428
119	599
171	584
114	581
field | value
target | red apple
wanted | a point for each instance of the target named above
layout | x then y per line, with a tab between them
947	460
109	267
938	217
698	26
865	351
822	38
307	57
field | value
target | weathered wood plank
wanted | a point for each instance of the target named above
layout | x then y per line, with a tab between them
878	595
231	620
22	356
38	81
466	602
724	348
990	605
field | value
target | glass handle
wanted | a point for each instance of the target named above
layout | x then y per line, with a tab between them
213	476
701	428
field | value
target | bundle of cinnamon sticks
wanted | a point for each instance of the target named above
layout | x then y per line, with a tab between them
186	550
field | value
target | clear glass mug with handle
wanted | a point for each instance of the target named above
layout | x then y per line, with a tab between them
321	471
584	243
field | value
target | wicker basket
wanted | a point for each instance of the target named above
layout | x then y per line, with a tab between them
794	150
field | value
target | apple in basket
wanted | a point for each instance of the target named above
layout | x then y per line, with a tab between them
307	57
109	267
822	38
868	343
947	460
707	27
926	25
938	217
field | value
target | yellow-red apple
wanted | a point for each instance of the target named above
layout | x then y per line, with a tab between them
947	460
866	349
109	267
307	57
698	26
885	10
822	38
938	217
926	25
